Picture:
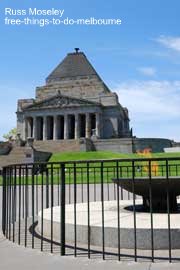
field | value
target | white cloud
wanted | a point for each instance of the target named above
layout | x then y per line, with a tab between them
147	71
153	105
170	42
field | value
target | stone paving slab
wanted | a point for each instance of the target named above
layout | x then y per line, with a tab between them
17	257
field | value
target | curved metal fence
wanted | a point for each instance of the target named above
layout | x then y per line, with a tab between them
95	208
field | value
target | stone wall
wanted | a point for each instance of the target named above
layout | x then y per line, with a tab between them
176	144
40	156
156	144
111	119
5	148
86	145
89	88
57	146
114	145
132	145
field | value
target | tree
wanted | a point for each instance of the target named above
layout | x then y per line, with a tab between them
11	133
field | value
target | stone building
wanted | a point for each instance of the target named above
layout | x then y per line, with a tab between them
74	103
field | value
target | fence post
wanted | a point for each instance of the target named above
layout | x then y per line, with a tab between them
4	201
63	205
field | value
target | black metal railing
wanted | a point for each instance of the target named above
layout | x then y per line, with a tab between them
42	204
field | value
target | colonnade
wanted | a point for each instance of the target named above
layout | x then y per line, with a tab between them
63	126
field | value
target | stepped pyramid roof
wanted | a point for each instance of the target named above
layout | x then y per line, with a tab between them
74	65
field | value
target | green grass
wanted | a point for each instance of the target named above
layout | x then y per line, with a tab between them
109	167
75	156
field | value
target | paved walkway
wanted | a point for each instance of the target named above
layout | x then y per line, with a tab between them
17	257
13	256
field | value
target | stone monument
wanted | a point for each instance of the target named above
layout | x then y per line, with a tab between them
73	102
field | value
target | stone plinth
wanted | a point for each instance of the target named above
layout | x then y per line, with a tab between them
143	225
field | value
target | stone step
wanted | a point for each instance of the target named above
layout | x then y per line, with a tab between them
19	154
16	156
57	146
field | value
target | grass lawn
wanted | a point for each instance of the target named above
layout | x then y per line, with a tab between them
109	168
75	156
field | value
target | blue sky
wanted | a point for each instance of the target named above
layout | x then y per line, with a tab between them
139	59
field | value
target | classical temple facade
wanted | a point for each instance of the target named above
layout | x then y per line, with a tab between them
74	103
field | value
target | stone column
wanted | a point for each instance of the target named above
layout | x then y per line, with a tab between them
55	127
26	132
77	133
35	127
98	125
44	128
27	128
88	126
65	127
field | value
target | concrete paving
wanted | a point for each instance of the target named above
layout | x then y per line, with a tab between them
17	257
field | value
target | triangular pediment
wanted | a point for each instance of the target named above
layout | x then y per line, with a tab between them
60	101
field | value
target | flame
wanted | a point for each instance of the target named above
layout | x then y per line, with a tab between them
147	152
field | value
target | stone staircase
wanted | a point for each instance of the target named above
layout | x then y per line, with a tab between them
41	151
57	146
17	155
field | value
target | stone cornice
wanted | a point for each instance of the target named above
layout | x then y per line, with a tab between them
60	101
